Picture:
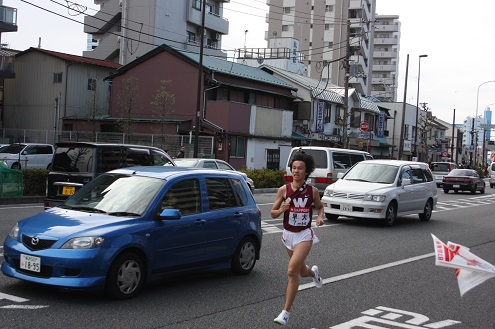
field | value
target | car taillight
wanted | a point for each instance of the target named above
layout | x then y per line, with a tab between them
324	180
287	178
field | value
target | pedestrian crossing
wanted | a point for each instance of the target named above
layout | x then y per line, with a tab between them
272	226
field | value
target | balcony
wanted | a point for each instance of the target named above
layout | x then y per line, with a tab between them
213	21
384	54
8	19
386	41
386	68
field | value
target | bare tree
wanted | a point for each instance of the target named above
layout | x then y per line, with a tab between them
163	105
94	113
127	101
425	126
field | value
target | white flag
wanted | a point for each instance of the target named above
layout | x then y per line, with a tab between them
470	269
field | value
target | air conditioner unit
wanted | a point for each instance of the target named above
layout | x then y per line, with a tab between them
118	39
217	36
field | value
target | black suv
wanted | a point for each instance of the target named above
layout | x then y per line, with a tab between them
74	164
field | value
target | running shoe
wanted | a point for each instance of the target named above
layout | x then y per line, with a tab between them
317	278
282	318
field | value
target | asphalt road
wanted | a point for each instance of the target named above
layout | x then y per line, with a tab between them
374	277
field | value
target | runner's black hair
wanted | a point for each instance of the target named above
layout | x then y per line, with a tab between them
307	159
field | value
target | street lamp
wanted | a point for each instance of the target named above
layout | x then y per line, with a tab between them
476	122
417	108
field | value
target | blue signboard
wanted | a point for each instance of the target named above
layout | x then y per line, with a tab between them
320	115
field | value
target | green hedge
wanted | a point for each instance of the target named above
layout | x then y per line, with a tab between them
35	181
265	178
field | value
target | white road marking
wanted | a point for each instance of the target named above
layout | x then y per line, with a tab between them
366	271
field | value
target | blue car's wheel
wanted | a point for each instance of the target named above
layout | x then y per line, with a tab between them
244	257
126	276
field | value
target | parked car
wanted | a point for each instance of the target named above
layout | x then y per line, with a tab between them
382	189
463	180
329	162
75	164
211	164
491	174
135	225
27	155
441	169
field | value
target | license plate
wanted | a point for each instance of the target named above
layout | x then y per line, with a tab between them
30	263
345	207
68	190
456	186
438	177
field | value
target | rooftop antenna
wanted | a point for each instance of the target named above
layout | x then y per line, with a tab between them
245	35
39	42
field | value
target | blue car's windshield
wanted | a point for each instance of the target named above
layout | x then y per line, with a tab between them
116	194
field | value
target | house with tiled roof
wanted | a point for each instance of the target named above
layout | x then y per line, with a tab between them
247	111
50	87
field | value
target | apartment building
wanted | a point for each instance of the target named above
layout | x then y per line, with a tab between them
324	29
385	66
124	30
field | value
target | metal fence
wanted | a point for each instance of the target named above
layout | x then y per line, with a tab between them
169	143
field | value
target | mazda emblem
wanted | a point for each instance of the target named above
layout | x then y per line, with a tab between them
35	240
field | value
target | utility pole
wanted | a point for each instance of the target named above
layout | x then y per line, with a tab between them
200	81
345	142
401	139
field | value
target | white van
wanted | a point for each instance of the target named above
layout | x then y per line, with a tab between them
491	173
328	163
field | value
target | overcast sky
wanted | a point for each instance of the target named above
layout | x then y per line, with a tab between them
457	36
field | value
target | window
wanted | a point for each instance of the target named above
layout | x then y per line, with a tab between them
223	194
138	157
355	119
342	160
210	165
224	166
328	8
288	27
159	159
406	132
328	113
328	26
417	176
329	44
57	77
184	196
288	10
91	84
272	159
237	146
191	37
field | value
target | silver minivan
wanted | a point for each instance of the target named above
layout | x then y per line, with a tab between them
328	163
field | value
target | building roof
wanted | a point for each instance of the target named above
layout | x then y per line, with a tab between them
236	69
72	58
319	89
211	64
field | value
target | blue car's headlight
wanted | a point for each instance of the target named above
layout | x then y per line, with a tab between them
14	232
377	198
85	242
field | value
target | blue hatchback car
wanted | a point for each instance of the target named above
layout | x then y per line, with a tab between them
136	225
